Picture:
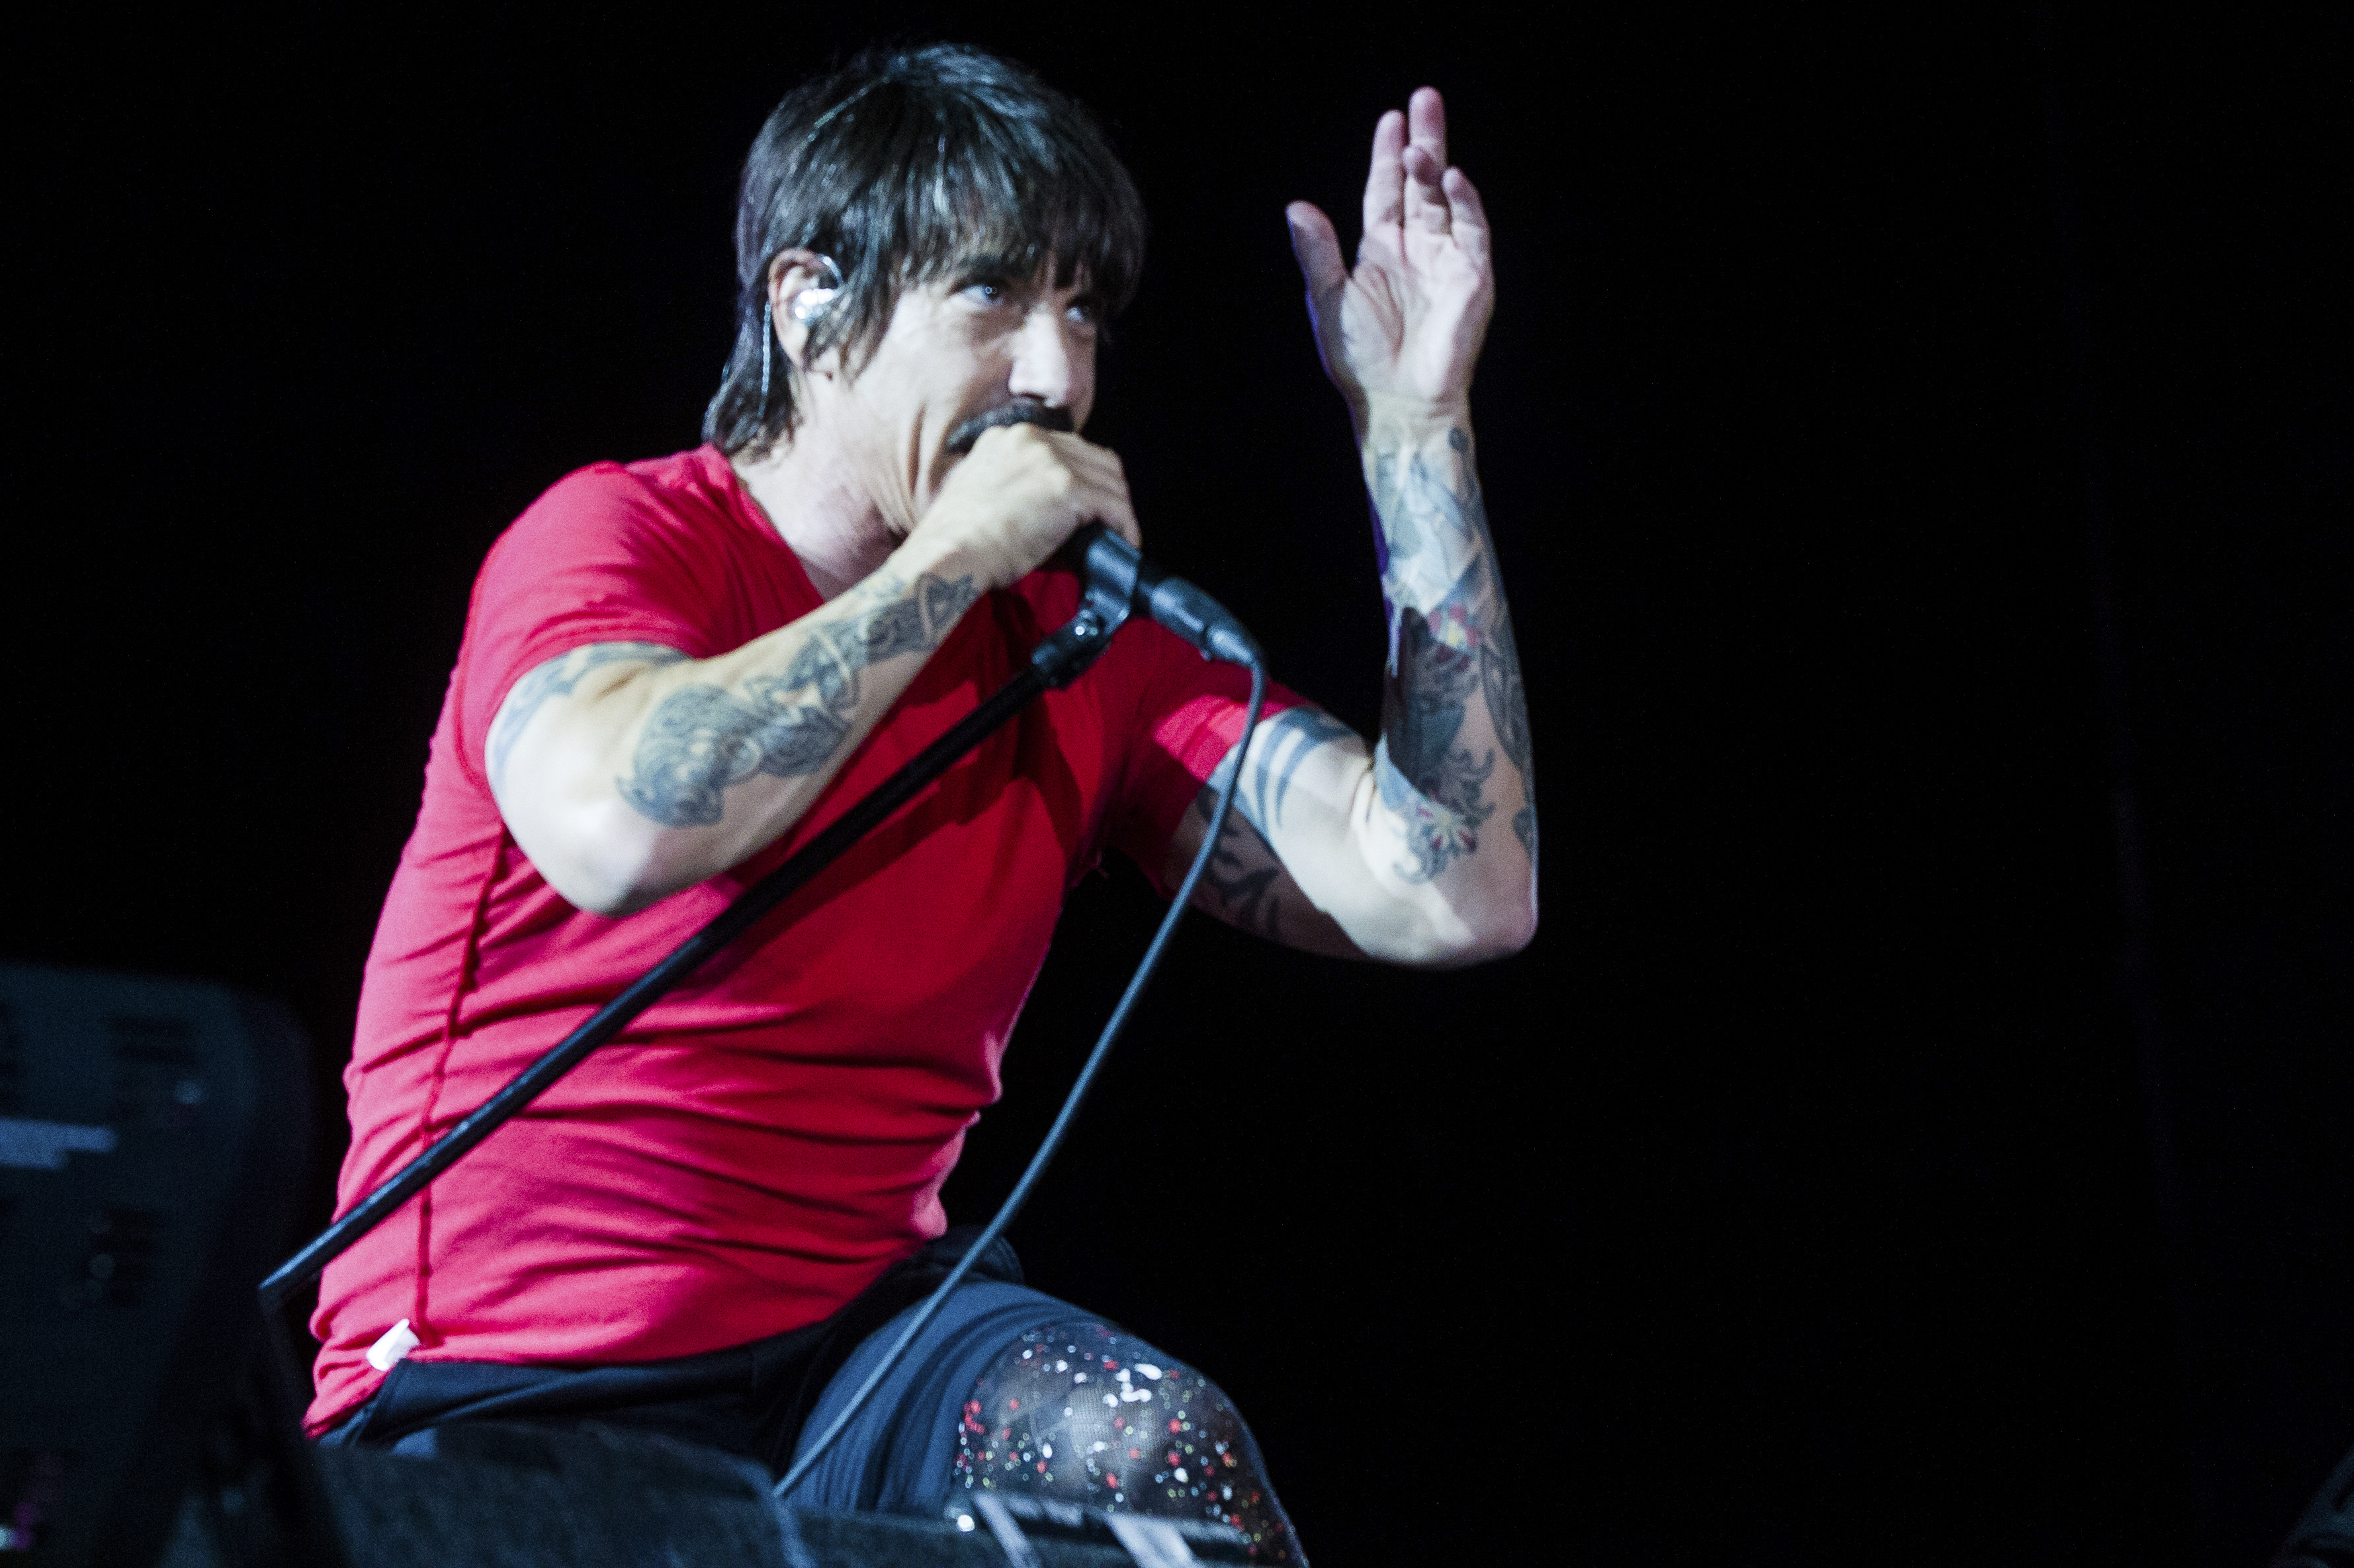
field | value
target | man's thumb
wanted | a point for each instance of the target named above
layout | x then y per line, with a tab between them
1318	250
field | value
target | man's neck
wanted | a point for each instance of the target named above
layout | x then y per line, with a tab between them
824	516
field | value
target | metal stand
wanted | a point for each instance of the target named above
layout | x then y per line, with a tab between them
1054	662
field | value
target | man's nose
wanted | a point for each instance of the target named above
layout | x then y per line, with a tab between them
1047	364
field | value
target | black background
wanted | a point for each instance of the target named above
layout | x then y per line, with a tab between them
1868	1162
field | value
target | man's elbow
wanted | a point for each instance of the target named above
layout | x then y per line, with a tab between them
610	897
598	861
1513	932
1495	934
596	884
1459	938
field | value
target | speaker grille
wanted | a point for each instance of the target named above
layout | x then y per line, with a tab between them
119	1264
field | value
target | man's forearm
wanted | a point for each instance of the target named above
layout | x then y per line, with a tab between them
1454	750
793	722
1401	854
648	778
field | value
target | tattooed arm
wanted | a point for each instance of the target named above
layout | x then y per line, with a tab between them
1423	849
628	771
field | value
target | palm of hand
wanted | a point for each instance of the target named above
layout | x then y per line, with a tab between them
1406	323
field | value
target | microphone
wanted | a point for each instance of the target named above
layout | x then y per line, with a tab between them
1115	572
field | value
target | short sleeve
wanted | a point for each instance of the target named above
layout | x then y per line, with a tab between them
598	558
1187	714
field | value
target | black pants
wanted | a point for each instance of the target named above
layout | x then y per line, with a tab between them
749	1400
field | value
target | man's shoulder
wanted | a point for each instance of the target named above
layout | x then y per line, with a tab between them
676	515
614	552
691	492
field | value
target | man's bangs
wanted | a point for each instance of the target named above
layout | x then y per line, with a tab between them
912	168
991	211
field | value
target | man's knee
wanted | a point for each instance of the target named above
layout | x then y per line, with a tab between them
1086	1414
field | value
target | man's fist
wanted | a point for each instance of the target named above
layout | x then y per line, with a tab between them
1020	494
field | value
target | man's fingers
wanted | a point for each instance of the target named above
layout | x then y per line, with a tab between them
1466	215
1102	495
1426	195
1385	180
1425	114
1121	520
1105	500
1318	250
1423	160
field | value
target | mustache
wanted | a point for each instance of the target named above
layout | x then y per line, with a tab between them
960	439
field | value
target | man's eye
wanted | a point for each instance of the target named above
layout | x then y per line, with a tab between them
984	293
1084	313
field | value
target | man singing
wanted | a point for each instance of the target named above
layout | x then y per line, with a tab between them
674	671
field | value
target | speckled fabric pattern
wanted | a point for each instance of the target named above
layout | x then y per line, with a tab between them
1081	1412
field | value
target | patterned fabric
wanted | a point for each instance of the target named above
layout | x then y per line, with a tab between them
1085	1414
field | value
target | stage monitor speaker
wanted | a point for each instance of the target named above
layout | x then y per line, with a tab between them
152	1142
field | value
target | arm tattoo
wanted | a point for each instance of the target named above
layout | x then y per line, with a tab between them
1245	881
1508	710
557	678
1429	534
1436	787
1239	884
703	739
1282	744
1451	636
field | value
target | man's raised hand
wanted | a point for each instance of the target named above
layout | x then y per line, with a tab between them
1404	327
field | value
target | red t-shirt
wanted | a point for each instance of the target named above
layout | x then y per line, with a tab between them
760	1145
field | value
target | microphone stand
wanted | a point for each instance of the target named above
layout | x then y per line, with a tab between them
1054	662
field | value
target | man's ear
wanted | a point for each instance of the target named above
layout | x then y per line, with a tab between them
802	285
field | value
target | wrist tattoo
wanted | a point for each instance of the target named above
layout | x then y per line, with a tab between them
1432	527
703	739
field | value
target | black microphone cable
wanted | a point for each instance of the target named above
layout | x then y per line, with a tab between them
1062	1119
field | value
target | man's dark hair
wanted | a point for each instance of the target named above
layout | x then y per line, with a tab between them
906	167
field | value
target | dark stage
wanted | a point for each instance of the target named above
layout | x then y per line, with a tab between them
1918	451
